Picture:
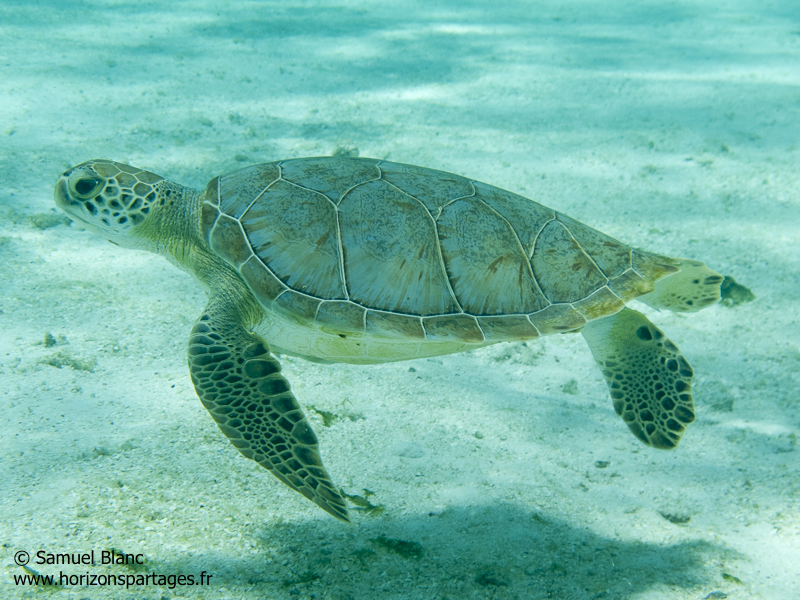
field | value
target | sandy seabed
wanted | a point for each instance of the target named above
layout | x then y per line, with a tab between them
503	473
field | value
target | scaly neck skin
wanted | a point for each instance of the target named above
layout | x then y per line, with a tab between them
174	231
173	228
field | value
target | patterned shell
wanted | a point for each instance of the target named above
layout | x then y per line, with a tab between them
362	246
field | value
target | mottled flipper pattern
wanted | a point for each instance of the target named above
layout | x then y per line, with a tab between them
692	288
649	380
240	384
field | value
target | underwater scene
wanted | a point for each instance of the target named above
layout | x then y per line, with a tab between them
442	300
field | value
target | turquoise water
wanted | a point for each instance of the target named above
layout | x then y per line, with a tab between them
501	473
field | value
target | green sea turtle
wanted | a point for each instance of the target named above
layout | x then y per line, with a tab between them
359	260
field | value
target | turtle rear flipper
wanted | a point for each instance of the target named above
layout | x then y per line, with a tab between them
692	288
240	384
649	380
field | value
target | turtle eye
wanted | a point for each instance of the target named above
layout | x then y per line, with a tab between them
86	187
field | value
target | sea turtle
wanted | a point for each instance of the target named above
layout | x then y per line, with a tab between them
341	259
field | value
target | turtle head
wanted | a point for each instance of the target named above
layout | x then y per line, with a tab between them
109	198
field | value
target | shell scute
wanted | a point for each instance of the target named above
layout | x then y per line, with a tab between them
212	192
341	317
241	188
293	230
485	262
456	328
654	266
332	178
630	284
228	240
564	271
392	325
208	217
611	256
527	217
602	303
266	287
298	306
507	328
391	253
433	188
557	318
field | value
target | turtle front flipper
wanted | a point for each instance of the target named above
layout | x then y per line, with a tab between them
240	384
649	380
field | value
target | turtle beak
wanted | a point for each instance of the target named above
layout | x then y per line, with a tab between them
60	194
66	203
62	197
